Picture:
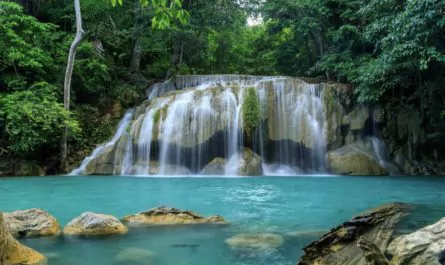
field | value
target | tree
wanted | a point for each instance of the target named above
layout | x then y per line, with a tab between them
164	15
67	83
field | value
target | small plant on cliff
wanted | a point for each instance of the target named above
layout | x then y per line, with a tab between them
157	116
251	111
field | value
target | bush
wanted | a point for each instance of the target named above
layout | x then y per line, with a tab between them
251	111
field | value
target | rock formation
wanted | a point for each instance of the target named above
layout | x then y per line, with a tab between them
94	224
339	246
32	223
170	216
14	253
373	255
189	121
422	247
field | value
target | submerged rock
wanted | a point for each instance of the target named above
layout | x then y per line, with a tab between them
355	159
170	216
94	224
134	256
338	247
14	253
256	241
423	247
32	223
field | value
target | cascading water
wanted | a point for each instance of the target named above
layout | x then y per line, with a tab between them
123	125
192	123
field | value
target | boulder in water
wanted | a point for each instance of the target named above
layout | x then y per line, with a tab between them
94	224
246	163
423	247
339	246
32	223
216	167
354	159
170	216
14	253
256	241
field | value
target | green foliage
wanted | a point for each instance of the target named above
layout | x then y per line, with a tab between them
25	48
251	111
33	119
165	12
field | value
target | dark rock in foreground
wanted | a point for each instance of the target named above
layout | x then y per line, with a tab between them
339	246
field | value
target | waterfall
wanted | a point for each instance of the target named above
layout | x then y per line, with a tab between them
188	121
121	128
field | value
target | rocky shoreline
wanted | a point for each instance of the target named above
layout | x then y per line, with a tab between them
367	239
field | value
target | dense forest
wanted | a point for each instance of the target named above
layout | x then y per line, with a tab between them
392	51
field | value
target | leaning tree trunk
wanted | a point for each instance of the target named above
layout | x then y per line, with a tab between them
67	83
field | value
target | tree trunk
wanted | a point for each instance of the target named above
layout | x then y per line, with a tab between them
67	83
135	63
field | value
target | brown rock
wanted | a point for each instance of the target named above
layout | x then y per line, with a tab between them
14	253
94	224
339	246
32	223
171	216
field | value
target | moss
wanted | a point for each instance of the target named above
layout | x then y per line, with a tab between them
251	111
157	116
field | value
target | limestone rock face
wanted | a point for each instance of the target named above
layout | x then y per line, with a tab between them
32	223
170	216
423	247
372	253
354	159
215	167
14	253
250	163
93	224
255	241
339	246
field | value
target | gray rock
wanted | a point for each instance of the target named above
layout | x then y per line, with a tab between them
423	247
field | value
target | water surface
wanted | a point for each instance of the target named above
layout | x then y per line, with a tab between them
296	208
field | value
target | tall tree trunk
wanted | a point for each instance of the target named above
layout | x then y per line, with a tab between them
67	83
135	63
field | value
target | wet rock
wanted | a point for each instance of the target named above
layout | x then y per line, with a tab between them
255	241
14	253
357	118
372	253
93	224
215	167
246	163
339	246
135	256
423	247
170	216
355	159
32	223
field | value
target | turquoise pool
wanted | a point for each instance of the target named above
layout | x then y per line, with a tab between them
296	208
